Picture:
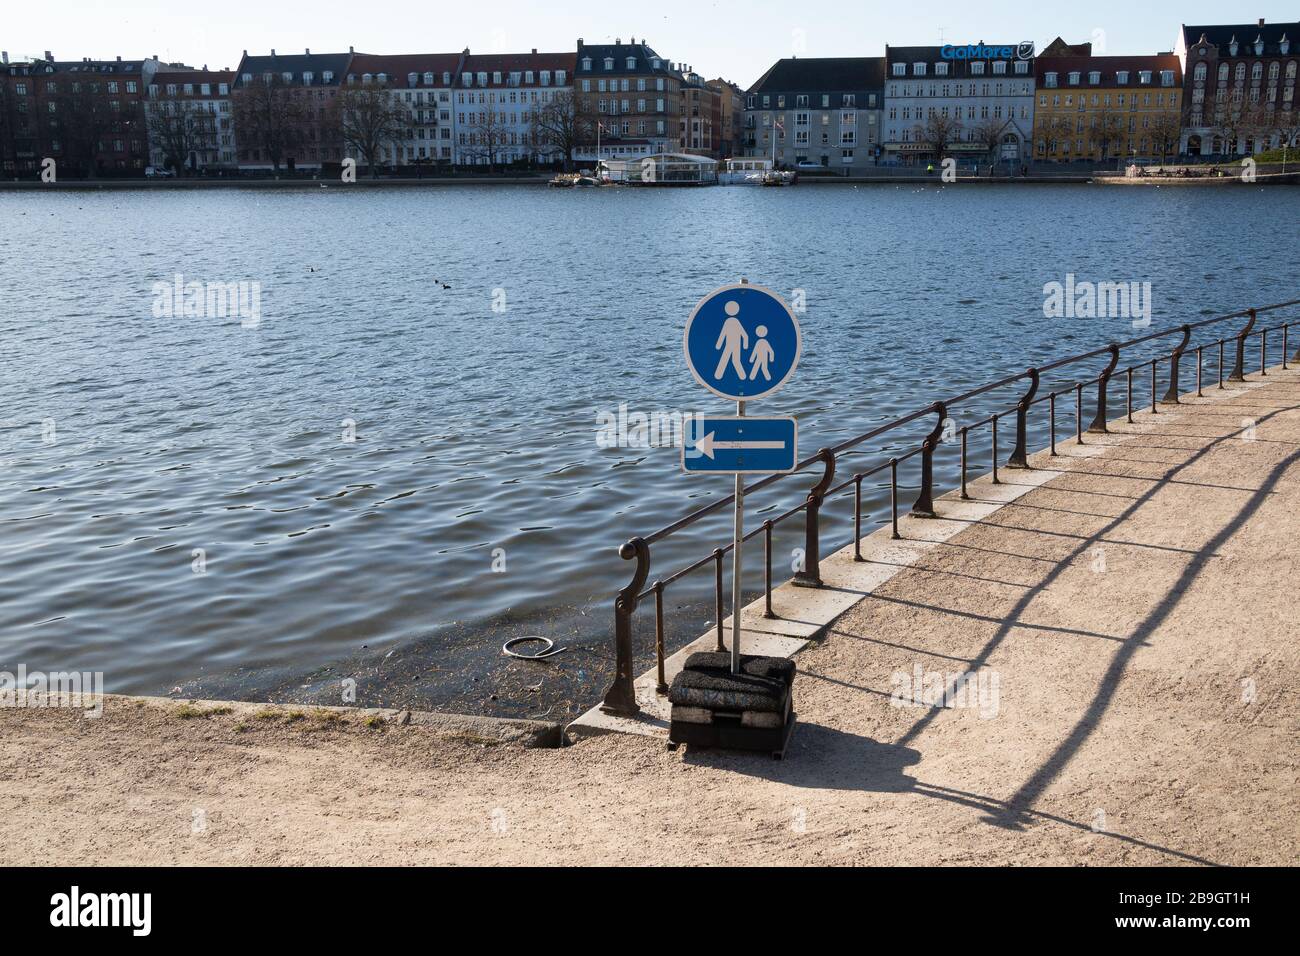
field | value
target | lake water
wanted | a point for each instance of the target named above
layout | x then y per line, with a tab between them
475	503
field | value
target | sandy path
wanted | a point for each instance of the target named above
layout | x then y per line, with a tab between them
1139	612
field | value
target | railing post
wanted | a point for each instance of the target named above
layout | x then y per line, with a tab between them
1019	454
1296	357
924	506
1286	327
767	569
1171	394
717	596
1239	369
1098	426
621	697
661	685
857	518
1130	394
810	576
1263	352
964	495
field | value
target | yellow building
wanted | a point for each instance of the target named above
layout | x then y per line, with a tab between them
1103	109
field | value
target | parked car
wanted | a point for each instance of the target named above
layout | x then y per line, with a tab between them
157	172
809	164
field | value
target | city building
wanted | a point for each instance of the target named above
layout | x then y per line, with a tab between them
498	103
1107	108
628	101
419	87
1239	87
87	115
971	102
701	124
825	111
189	120
731	117
282	105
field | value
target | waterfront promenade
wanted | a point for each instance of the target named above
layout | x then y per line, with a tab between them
1135	597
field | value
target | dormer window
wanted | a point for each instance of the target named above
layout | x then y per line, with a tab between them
1022	67
366	78
1259	46
1094	77
1144	77
383	78
631	63
977	68
446	78
918	69
1074	78
412	79
586	63
327	77
246	78
1285	45
655	63
428	79
307	78
1049	79
528	77
1232	46
999	67
941	69
900	69
560	77
1121	77
467	78
609	63
482	78
288	77
1166	77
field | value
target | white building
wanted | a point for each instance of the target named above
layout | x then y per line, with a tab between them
201	99
496	101
422	85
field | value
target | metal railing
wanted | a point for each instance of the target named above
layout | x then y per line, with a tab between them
621	697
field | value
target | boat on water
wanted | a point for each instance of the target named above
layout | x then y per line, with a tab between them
660	169
570	180
745	171
776	177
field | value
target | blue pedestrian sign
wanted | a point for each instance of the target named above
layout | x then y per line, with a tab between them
740	446
742	342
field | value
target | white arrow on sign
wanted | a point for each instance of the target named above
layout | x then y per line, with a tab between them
706	444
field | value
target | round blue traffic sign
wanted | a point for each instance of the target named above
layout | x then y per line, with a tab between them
742	342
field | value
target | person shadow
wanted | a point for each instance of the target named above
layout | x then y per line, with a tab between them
820	758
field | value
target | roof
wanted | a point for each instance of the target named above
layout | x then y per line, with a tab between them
162	78
507	63
1221	35
643	58
832	74
298	64
399	67
87	66
958	66
1108	66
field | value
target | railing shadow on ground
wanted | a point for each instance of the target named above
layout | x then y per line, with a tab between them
843	761
620	698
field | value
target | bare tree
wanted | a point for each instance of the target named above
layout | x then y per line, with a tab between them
937	131
268	116
487	135
988	133
83	116
1228	124
1107	130
368	118
556	127
1166	130
180	127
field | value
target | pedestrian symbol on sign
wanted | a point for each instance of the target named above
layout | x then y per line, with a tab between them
742	342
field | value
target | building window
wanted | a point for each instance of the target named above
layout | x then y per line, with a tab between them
1094	77
918	69
1073	78
999	67
900	69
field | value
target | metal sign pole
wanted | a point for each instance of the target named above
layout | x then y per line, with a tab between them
737	539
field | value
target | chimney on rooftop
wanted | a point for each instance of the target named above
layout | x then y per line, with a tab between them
350	50
579	43
4	56
1261	21
119	58
534	51
49	55
307	50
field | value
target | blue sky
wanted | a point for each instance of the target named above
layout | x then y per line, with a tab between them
736	40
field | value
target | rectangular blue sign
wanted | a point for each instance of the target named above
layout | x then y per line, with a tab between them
740	445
